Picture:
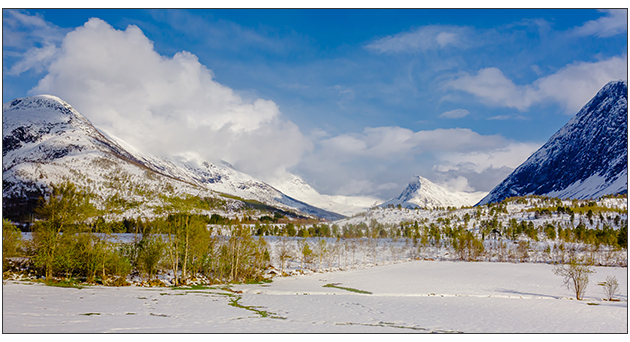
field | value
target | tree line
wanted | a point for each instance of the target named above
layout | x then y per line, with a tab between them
68	242
73	239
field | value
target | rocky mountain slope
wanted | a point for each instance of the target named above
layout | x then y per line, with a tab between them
422	193
587	158
46	141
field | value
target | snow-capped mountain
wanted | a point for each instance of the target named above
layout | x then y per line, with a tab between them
422	193
46	141
296	187
587	158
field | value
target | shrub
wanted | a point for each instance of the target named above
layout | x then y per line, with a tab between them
116	264
149	253
11	242
611	287
575	276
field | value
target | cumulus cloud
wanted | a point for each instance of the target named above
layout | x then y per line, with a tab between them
615	22
424	38
572	86
455	114
167	105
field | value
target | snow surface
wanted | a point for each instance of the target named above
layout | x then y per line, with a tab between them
593	187
412	297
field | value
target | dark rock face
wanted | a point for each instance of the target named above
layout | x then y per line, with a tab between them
586	158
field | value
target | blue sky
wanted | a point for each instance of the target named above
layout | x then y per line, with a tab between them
353	101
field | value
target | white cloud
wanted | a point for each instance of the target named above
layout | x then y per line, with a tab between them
28	42
424	38
572	86
167	105
510	155
536	70
615	22
394	142
354	163
507	117
481	169
34	58
387	186
500	117
494	88
459	183
575	84
356	187
455	113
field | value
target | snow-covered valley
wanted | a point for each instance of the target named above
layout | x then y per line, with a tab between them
324	171
410	297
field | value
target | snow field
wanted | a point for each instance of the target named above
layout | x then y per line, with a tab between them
413	297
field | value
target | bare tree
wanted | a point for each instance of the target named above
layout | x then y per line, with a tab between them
611	287
321	250
284	252
352	245
575	276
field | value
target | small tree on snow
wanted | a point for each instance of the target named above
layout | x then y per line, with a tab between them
284	252
575	277
306	253
611	287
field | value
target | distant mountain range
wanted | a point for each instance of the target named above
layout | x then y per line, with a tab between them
587	158
46	141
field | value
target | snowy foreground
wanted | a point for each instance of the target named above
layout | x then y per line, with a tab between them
412	297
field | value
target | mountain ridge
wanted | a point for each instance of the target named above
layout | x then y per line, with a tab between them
586	158
45	141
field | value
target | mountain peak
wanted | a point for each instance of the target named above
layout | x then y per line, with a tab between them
39	102
586	158
38	110
46	141
422	193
